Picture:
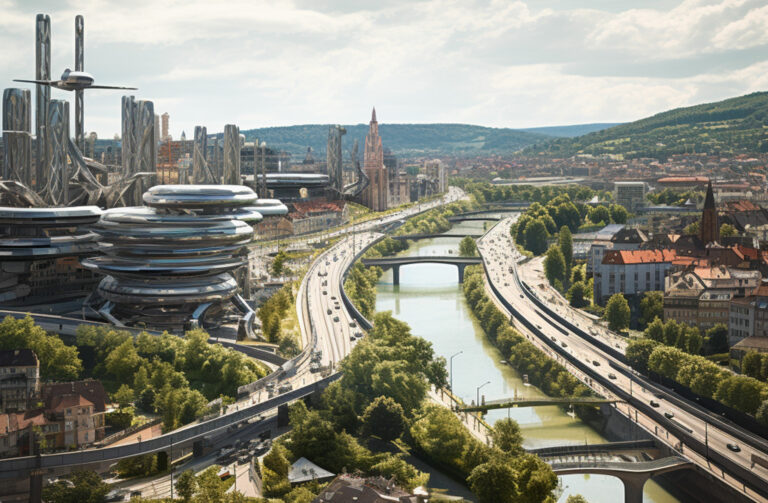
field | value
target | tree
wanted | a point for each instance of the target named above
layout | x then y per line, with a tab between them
651	307
692	229
384	418
210	488
278	263
467	247
123	361
87	487
617	312
299	495
578	275
619	214
576	498
536	237
123	396
762	413
639	351
751	364
58	361
186	484
554	265
494	481
727	230
565	242
655	330
507	437
717	339
599	214
577	295
275	472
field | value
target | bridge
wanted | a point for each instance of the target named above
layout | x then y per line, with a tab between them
510	403
395	263
474	216
416	237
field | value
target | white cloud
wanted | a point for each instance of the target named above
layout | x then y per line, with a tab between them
493	62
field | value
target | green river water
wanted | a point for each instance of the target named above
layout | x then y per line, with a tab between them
430	300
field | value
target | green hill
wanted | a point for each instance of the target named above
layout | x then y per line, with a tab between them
403	139
571	131
736	125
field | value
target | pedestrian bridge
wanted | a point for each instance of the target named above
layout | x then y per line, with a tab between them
416	237
509	403
395	263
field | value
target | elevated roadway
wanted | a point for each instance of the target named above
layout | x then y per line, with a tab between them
395	263
510	403
698	436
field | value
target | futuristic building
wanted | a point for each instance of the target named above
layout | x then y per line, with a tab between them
170	264
39	247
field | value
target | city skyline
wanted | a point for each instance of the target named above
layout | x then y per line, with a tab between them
506	64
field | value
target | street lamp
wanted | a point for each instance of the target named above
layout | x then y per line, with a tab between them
451	370
478	391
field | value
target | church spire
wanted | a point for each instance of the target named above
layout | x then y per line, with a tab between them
709	231
373	115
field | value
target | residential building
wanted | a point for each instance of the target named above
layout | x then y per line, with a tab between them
741	323
346	488
631	195
313	216
601	242
19	379
631	272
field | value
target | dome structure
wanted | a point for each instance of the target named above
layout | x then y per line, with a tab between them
170	264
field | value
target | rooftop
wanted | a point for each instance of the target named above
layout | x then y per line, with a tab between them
18	358
639	256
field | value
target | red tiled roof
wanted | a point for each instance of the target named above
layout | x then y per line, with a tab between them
638	256
683	179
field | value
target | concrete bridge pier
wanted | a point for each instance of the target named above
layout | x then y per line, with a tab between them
633	486
461	272
395	274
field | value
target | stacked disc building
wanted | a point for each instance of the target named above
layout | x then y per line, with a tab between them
173	262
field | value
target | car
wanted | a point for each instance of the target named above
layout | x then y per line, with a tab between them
358	334
333	297
733	447
353	324
329	311
325	292
335	318
611	376
564	344
286	386
337	306
521	295
595	363
654	403
669	415
538	326
352	338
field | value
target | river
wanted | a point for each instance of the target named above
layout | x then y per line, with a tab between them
430	300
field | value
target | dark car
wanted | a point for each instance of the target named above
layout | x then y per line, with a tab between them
669	415
734	447
654	403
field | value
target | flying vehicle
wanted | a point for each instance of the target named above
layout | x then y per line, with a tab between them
72	81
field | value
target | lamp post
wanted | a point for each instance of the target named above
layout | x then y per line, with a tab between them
451	368
478	391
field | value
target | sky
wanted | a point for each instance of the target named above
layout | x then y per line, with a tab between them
499	63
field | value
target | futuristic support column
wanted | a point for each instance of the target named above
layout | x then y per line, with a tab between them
334	157
199	166
56	188
633	486
395	274
146	148
79	67
461	272
17	154
43	97
127	144
231	175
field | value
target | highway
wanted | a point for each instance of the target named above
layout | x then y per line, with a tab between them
678	424
292	381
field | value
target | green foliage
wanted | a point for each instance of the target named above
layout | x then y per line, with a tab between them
679	335
360	287
87	488
752	363
554	265
535	239
278	264
120	419
299	495
405	475
599	214
546	374
762	413
273	310
210	488
467	247
58	362
275	468
617	312
441	436
727	230
577	295
137	466
639	351
672	197
576	498
565	242
123	396
507	437
692	229
384	418
177	375
651	307
729	127
716	339
387	247
619	214
186	484
494	481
